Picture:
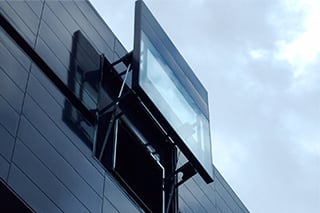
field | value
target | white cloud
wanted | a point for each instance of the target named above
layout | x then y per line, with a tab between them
303	50
257	53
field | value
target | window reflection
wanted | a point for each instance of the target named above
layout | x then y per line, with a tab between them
161	85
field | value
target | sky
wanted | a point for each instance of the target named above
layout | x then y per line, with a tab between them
260	62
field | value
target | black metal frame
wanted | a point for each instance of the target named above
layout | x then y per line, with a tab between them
126	60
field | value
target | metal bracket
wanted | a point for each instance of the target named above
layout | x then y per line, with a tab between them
114	116
126	59
188	171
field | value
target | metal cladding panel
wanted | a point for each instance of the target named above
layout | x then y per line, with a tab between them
24	186
4	167
117	197
25	21
39	173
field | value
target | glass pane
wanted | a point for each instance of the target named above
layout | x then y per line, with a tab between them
161	85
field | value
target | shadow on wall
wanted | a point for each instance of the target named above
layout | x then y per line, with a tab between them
83	80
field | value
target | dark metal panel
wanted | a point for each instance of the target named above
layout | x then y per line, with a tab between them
47	84
208	189
36	6
4	167
15	70
8	117
54	110
199	195
26	14
56	10
10	91
57	55
189	198
61	13
86	27
6	145
69	61
46	180
14	50
97	22
117	197
62	143
108	207
17	22
31	194
58	27
226	196
223	188
59	167
183	207
51	59
53	104
222	205
55	44
119	49
45	95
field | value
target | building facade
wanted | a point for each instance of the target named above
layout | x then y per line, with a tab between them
59	90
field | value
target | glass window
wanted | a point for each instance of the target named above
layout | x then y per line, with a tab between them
161	85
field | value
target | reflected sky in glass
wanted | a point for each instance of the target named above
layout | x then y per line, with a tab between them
176	105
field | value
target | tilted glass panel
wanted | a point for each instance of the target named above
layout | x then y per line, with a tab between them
161	85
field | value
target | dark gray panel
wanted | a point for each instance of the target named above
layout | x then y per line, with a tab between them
8	117
51	59
26	14
222	205
45	180
45	95
47	84
62	144
208	189
183	207
69	23
85	26
65	18
10	91
108	207
13	68
189	198
54	44
119	49
31	194
219	210
59	167
17	22
15	51
119	200
57	27
53	104
226	196
97	22
56	65
199	194
4	168
6	144
36	6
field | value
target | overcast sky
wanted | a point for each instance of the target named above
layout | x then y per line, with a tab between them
260	62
